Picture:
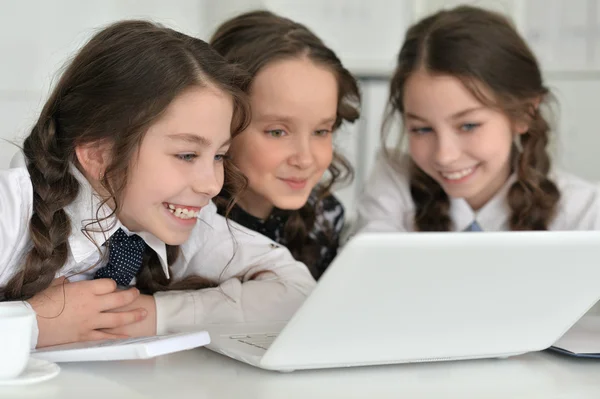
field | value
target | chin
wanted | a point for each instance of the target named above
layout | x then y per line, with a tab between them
174	239
461	194
291	205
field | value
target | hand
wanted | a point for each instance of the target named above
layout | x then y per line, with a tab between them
71	312
145	327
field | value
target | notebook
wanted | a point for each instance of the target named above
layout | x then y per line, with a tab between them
123	349
582	340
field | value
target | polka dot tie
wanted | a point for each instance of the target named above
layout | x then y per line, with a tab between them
124	258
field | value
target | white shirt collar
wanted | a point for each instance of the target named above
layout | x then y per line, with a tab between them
88	236
493	216
203	229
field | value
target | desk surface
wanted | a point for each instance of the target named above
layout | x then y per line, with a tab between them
202	374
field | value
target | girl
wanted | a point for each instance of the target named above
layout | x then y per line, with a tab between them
300	94
126	155
470	92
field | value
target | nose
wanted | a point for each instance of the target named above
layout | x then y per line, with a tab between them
448	148
302	155
208	180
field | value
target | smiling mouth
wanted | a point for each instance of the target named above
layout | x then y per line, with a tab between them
459	174
295	184
294	180
182	211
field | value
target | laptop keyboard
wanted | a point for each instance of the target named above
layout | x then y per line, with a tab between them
262	341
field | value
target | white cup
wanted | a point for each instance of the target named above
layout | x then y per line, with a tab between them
16	323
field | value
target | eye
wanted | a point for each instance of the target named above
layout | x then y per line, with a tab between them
421	130
468	127
186	157
221	157
276	133
322	132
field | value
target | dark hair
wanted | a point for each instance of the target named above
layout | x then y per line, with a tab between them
257	38
114	89
483	50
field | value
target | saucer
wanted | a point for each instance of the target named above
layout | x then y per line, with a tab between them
37	370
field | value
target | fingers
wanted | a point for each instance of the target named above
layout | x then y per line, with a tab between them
101	286
96	335
119	319
117	299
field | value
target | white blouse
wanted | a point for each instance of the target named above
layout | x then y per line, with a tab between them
386	204
230	255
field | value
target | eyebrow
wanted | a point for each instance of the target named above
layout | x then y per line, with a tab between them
289	120
453	116
195	139
328	120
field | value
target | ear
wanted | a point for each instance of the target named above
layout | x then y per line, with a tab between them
94	159
522	127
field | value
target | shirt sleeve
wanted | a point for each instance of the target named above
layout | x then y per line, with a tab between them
259	280
385	204
579	205
15	211
590	218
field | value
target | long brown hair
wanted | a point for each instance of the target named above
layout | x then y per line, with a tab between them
115	88
482	49
258	38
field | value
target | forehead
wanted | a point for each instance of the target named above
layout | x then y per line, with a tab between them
442	94
203	111
295	86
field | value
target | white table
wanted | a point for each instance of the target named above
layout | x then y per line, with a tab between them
202	374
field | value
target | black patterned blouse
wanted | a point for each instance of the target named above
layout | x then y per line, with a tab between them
329	221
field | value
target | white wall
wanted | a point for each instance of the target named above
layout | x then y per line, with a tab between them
38	36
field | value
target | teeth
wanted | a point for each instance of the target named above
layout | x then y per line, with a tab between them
183	213
458	175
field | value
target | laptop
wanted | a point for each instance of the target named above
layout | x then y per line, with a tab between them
403	297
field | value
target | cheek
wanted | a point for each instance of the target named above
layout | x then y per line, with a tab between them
152	181
134	195
220	175
324	155
420	150
134	186
494	145
258	157
252	163
151	189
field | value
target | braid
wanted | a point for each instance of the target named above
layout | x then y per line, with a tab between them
54	187
533	197
151	277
